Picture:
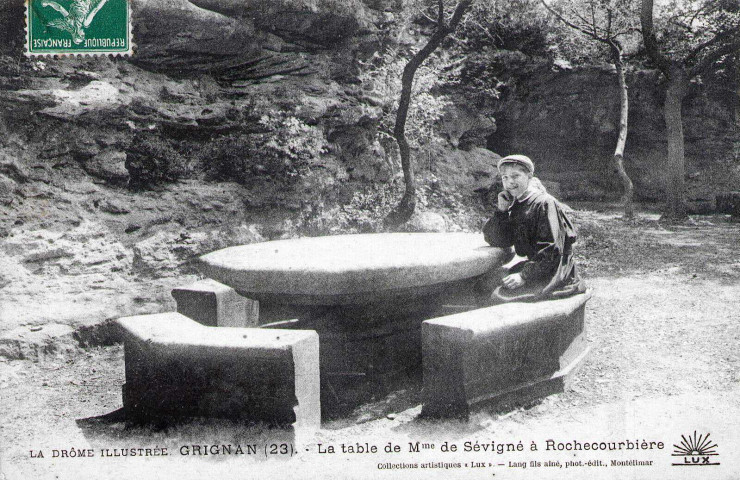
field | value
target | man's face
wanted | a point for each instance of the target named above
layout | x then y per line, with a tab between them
515	179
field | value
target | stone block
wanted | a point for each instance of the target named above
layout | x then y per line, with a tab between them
729	203
176	367
501	355
216	305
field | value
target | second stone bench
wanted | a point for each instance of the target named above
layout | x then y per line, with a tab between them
501	355
176	367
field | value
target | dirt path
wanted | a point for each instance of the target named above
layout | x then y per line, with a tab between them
664	326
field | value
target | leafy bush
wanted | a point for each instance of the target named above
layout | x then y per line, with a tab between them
150	161
368	208
381	79
514	25
282	146
290	140
364	213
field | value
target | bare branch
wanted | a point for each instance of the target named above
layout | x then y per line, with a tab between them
580	17
482	29
680	24
568	22
627	32
693	18
425	15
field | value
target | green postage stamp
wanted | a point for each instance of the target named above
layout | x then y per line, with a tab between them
82	27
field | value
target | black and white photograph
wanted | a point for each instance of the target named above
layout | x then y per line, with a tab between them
370	239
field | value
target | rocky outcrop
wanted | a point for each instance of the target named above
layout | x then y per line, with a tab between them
567	120
465	127
180	38
166	251
84	250
108	165
237	121
426	221
37	342
321	22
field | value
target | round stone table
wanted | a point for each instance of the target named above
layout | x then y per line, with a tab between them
365	295
352	269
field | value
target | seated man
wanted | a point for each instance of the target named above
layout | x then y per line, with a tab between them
531	220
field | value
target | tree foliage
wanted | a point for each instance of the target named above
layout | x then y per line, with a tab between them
686	39
609	23
697	33
151	161
506	25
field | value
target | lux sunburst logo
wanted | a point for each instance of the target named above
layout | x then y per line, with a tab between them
696	451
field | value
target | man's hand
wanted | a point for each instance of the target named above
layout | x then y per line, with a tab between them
504	201
513	281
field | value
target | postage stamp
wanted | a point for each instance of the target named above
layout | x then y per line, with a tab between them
81	27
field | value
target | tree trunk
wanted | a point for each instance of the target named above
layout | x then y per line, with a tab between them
675	189
627	204
407	205
737	109
677	84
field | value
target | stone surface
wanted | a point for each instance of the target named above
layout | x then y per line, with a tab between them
37	342
114	206
166	250
501	355
176	367
199	36
360	364
367	351
214	304
84	249
571	135
427	222
351	269
465	170
109	165
7	190
320	21
465	127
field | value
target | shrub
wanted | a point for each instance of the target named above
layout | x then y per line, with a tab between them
281	146
150	161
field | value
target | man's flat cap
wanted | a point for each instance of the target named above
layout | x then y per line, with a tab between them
522	160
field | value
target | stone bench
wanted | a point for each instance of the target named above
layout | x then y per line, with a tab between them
214	304
501	355
176	367
729	203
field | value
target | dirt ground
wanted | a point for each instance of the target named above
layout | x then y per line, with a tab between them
663	326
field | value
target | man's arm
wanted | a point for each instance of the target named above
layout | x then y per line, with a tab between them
498	230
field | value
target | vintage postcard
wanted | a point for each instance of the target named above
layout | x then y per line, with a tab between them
369	239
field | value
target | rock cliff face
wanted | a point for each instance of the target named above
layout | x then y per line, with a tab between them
237	123
568	119
243	120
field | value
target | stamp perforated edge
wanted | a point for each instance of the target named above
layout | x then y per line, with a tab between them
87	53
